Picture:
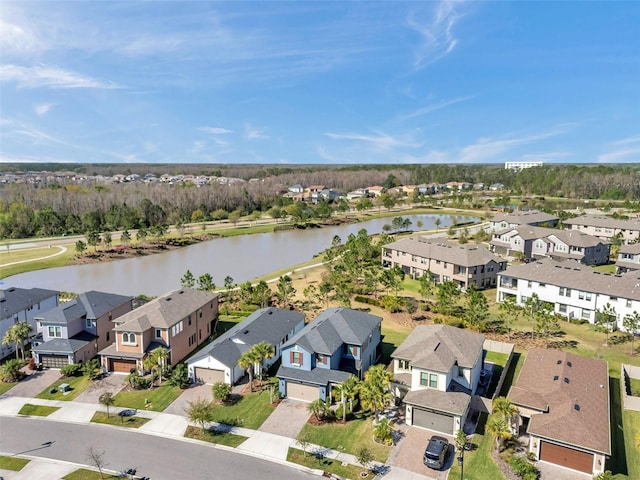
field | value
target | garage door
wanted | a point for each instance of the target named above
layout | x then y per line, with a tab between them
122	366
54	361
306	393
432	421
567	457
209	375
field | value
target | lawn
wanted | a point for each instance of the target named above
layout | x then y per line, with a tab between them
214	436
57	261
6	386
86	474
155	399
12	463
631	424
77	385
249	411
119	420
635	386
394	335
330	465
497	358
37	410
352	436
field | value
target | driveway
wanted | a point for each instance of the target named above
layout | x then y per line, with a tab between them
189	395
287	419
34	383
408	451
549	471
111	383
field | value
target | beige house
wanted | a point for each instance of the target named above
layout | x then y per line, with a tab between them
530	217
628	258
563	401
179	321
606	227
465	265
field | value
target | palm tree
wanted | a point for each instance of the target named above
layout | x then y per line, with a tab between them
318	408
498	427
263	351
247	362
350	388
17	334
157	360
374	392
503	406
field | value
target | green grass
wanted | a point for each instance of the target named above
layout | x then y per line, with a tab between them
12	463
6	386
635	386
497	358
158	398
119	420
610	268
37	410
478	462
214	436
57	261
352	436
393	337
330	465
77	385
250	411
86	474
618	463
513	372
631	425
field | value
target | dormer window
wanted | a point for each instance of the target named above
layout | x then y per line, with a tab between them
129	338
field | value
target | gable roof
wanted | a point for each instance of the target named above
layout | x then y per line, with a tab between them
524	218
568	237
455	403
333	328
632	249
604	221
466	255
164	311
66	345
91	305
439	347
573	391
269	325
14	299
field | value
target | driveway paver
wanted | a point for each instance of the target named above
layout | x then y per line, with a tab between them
287	419
34	383
408	451
111	383
549	471
192	393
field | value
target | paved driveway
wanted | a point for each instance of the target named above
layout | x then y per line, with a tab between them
111	383
287	419
34	383
189	395
408	451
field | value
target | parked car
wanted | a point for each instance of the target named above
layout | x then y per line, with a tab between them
435	454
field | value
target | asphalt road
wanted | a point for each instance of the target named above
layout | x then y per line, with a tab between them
156	457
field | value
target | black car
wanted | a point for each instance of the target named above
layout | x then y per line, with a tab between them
436	452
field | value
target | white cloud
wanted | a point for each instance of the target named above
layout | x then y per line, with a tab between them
43	108
215	130
623	150
380	141
487	149
433	107
53	77
252	133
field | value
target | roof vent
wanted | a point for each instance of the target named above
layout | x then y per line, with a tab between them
566	380
559	362
555	377
568	364
576	407
168	299
245	332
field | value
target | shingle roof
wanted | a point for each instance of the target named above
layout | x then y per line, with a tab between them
524	218
164	311
14	300
575	390
90	305
269	325
568	237
334	327
439	347
466	255
451	402
65	345
316	376
604	221
574	275
633	249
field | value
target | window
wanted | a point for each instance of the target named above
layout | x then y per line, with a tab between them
177	328
403	364
628	303
55	332
189	319
296	358
199	313
424	379
565	292
89	323
581	295
108	336
320	358
128	338
433	380
586	314
158	333
588	296
529	284
350	350
542	285
562	308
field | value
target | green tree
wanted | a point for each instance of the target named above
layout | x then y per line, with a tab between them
179	376
531	306
631	323
606	319
461	440
606	475
107	400
383	431
364	456
477	307
447	295
262	294
221	391
546	321
234	217
427	285
156	361
93	239
205	282
107	239
351	388
228	292
187	280
375	390
499	428
92	369
318	408
200	411
141	235
81	247
247	362
510	312
262	351
285	290
125	237
10	370
392	278
17	334
504	407
438	222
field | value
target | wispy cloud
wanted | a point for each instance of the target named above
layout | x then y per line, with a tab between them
252	133
486	149
43	108
380	141
437	39
433	107
624	150
215	130
53	77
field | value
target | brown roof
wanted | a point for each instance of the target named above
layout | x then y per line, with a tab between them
524	218
451	252
604	221
450	402
439	347
572	393
164	311
633	249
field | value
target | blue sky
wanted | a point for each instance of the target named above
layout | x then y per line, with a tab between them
320	82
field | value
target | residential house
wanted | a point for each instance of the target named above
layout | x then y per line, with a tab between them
628	258
218	362
375	191
574	290
436	371
465	265
606	227
75	331
179	321
563	400
295	189
539	242
338	343
23	305
358	193
515	219
496	186
427	188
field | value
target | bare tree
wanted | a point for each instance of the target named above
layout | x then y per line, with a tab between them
96	459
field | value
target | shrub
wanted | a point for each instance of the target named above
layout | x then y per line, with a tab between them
138	382
10	370
453	323
179	376
70	370
521	467
392	304
367	300
221	391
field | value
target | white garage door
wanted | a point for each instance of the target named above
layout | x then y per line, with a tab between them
432	421
298	391
209	375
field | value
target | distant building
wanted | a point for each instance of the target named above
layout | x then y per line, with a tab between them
522	165
606	227
531	217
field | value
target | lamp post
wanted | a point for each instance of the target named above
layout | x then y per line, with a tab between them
461	460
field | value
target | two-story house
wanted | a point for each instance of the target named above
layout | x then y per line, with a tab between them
515	219
464	265
606	227
338	343
23	305
218	362
436	370
628	258
539	242
178	321
75	331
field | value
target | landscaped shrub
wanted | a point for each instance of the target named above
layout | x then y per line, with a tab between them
367	300
523	468
221	391
179	376
10	370
138	382
392	304
70	370
453	323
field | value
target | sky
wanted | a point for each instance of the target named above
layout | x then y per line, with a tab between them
325	82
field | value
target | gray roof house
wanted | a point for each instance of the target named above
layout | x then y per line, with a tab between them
606	227
628	258
338	343
530	217
436	370
218	361
74	331
23	305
